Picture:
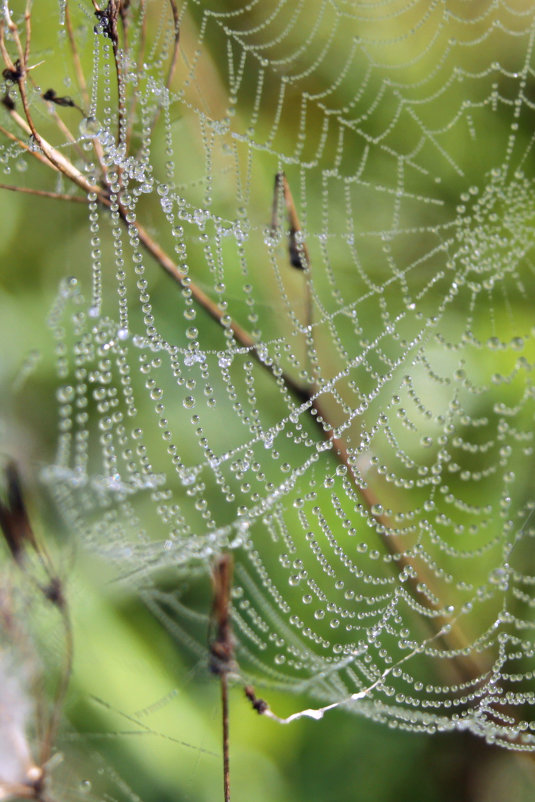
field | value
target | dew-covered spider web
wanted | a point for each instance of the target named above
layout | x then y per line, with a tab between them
348	188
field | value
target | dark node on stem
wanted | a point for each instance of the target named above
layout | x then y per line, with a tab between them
107	21
222	644
297	250
8	102
54	592
14	520
260	705
13	75
52	97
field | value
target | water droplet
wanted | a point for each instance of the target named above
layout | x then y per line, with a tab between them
89	127
65	394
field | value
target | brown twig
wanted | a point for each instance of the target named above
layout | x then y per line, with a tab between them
82	83
222	649
298	254
454	638
170	72
176	44
260	705
108	18
42	193
297	248
226	741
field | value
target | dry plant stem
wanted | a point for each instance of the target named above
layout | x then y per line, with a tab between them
241	335
80	77
50	155
55	158
68	135
298	250
23	145
298	253
304	395
111	15
59	162
41	193
174	59
140	60
170	72
222	648
467	667
226	750
62	688
28	25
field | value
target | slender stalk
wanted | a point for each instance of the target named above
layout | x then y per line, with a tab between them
82	83
62	688
468	667
225	721
41	193
222	649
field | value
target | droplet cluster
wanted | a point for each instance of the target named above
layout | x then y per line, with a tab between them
358	431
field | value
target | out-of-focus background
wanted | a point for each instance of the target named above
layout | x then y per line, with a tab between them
142	717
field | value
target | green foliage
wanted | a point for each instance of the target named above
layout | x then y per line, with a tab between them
358	432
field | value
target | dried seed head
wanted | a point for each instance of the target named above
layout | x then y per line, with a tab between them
260	705
13	75
52	97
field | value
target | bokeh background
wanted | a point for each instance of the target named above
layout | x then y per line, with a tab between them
142	717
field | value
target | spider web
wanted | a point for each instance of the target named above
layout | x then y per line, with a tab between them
366	454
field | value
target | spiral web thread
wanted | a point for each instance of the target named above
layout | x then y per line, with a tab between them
387	565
